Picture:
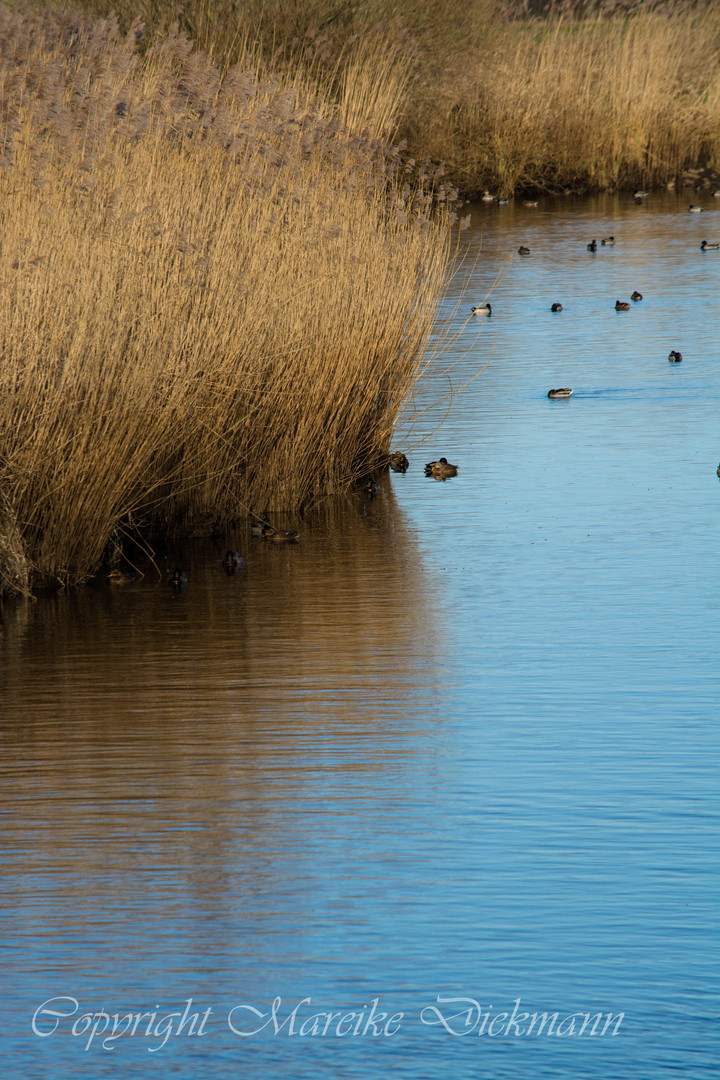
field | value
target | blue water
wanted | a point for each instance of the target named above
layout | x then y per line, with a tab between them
460	742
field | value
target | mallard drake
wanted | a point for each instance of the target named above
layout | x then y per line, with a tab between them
371	489
709	247
279	536
398	462
563	391
592	246
716	193
502	201
695	209
482	309
556	307
608	241
487	197
636	296
440	469
675	357
178	579
232	561
522	250
622	305
640	194
257	523
122	577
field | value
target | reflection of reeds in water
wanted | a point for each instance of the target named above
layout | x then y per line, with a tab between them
318	655
312	616
212	295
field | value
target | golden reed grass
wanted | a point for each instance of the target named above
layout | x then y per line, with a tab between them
576	104
213	294
587	95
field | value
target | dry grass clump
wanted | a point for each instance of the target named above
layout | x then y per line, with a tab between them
213	295
564	104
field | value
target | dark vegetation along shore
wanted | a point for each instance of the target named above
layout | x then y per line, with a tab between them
220	260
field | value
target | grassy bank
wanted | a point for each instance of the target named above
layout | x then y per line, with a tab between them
214	295
585	96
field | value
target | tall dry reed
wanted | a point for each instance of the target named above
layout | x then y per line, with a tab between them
213	295
568	95
567	104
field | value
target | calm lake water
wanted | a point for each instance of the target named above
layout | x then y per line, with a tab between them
458	743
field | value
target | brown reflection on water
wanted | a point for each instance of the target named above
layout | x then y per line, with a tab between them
146	728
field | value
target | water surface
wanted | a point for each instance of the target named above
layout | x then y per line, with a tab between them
460	741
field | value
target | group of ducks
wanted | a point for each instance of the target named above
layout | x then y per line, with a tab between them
620	305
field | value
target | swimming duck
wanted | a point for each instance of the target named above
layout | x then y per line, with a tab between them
502	201
371	489
563	391
121	577
482	309
178	579
608	241
256	526
636	295
675	357
556	307
716	193
487	197
709	247
522	250
640	194
622	305
279	536
695	209
232	561
441	469
592	246
530	202
398	462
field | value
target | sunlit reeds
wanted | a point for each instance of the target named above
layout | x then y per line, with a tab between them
213	294
576	104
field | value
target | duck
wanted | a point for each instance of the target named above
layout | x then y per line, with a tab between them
371	489
556	307
608	241
709	247
441	469
562	391
502	201
178	579
530	202
487	197
256	526
640	194
279	536
592	246
675	357
398	462
636	296
716	193
482	309
522	250
121	577
695	209
622	305
232	561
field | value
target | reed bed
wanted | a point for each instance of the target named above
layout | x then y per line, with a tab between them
214	294
563	104
568	95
